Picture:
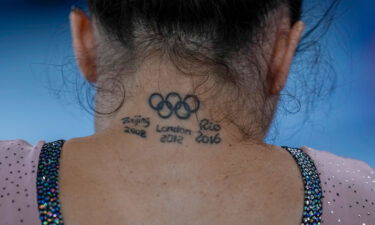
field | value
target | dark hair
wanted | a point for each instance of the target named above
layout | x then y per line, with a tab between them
171	25
183	29
232	21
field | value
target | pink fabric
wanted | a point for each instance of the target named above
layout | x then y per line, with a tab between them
348	188
345	182
18	170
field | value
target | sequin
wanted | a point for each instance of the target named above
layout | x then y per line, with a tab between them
47	184
312	210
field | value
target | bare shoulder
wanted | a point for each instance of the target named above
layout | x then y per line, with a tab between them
264	187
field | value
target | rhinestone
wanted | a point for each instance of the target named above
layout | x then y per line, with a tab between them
47	184
313	192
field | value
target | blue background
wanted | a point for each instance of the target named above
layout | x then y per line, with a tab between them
37	104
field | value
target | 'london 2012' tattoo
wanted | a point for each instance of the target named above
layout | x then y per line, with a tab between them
172	134
208	132
136	125
174	104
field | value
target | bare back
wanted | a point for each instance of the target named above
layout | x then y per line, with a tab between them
245	186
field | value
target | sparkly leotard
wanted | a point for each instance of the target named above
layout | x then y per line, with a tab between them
338	190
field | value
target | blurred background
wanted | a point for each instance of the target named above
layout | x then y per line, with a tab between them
38	98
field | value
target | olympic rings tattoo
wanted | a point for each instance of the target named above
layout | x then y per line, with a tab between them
174	104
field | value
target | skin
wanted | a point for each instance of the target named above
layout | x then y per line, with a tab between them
115	177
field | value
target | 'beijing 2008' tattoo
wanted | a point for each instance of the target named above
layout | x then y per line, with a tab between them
173	103
208	132
136	125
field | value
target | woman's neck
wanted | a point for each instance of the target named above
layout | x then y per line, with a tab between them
165	108
173	118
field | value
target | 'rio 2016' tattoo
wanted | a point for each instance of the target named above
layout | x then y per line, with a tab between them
205	136
132	125
173	103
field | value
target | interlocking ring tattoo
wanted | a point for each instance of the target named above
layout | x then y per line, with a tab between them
183	108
